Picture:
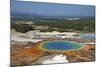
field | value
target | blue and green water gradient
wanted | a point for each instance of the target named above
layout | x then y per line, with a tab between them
61	45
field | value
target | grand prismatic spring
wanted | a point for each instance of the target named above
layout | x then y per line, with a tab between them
60	45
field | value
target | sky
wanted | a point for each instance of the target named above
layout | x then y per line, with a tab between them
85	2
51	9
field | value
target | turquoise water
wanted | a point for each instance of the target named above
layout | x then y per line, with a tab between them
87	35
61	45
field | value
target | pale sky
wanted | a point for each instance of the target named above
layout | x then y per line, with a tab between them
86	2
51	9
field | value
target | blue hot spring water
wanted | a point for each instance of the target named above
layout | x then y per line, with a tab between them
87	35
61	45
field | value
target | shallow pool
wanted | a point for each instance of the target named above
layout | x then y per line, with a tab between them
61	45
87	35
